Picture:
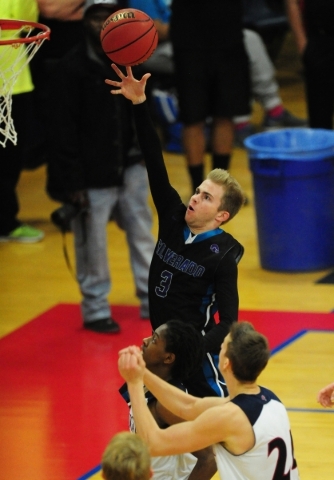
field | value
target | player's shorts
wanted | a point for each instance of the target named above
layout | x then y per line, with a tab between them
213	83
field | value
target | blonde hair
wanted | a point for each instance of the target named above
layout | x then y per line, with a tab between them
126	457
233	197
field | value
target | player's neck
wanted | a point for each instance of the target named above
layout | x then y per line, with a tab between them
161	372
247	388
202	229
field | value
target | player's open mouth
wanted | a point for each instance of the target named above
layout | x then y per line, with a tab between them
190	208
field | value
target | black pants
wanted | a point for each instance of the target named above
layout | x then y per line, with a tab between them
11	161
318	62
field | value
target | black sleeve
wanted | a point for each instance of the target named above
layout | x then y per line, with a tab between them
164	195
228	302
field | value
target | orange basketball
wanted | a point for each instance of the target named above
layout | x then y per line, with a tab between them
129	37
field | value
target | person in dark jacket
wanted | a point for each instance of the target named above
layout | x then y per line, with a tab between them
312	23
96	166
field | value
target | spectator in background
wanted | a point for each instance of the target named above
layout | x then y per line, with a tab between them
264	87
268	19
94	164
12	156
265	90
126	457
312	23
64	18
212	78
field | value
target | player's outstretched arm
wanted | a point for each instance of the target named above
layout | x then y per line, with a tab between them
129	86
185	436
182	404
326	396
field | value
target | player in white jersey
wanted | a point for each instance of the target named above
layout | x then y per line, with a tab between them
273	449
250	429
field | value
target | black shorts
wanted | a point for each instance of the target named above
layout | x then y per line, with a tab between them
213	83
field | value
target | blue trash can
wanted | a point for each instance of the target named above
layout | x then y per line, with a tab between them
293	181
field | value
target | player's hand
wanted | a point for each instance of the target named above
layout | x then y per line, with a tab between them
131	365
131	349
326	396
129	86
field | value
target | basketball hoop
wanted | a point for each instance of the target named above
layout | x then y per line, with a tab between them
17	48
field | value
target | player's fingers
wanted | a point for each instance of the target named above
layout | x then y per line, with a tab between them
127	349
117	70
145	77
123	350
113	83
134	349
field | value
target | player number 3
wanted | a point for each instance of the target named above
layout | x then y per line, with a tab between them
162	290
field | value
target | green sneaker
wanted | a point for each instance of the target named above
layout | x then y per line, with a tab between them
23	234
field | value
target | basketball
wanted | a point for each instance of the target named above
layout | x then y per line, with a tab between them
129	37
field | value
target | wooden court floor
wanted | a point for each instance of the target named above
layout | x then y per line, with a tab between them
34	279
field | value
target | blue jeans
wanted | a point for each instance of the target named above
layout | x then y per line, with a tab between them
128	204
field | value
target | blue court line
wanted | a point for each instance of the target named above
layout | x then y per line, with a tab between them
90	473
287	342
296	336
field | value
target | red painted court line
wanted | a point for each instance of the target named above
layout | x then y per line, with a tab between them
59	401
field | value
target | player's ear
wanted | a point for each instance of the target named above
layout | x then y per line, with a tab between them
222	216
169	358
226	363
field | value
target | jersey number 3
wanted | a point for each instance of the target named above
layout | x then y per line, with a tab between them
162	290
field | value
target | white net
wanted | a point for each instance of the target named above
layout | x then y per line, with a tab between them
13	58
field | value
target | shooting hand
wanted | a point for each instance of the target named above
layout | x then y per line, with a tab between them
130	87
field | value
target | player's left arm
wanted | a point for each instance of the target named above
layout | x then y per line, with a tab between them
226	424
172	399
227	297
205	466
183	437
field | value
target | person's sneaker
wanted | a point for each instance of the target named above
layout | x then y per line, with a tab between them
286	119
23	234
105	325
240	134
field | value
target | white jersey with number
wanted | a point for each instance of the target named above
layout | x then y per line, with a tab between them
272	457
172	467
